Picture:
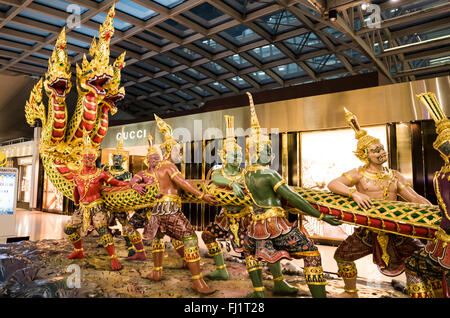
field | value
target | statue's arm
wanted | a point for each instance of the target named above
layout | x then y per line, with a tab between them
136	179
344	184
113	181
219	179
284	190
406	191
137	183
177	178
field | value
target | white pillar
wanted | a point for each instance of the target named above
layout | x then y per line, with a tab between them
35	168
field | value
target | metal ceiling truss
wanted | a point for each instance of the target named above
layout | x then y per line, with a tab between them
171	71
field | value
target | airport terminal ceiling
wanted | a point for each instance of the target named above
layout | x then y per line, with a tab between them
183	53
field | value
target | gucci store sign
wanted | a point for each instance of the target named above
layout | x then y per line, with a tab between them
134	135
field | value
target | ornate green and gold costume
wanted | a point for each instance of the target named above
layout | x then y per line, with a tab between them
428	270
270	237
119	173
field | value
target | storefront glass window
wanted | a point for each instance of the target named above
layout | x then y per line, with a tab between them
52	198
25	183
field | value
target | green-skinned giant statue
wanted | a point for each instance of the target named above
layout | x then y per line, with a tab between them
270	236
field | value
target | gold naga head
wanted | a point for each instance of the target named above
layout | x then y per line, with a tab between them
169	141
258	141
113	92
364	140
442	142
94	75
229	145
57	79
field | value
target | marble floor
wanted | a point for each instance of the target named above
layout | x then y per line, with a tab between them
41	225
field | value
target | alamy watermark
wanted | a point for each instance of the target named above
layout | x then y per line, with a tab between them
74	279
214	137
73	21
374	19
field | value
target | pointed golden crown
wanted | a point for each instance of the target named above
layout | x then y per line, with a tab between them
442	142
364	140
152	149
229	143
59	59
169	141
100	50
257	139
119	151
86	146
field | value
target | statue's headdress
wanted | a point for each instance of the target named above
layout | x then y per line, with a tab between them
442	142
364	140
169	141
257	139
119	151
152	149
86	146
229	143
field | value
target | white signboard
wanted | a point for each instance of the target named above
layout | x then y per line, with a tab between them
8	199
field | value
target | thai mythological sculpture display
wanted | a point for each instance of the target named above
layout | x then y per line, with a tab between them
98	90
251	198
98	86
69	151
428	270
372	181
